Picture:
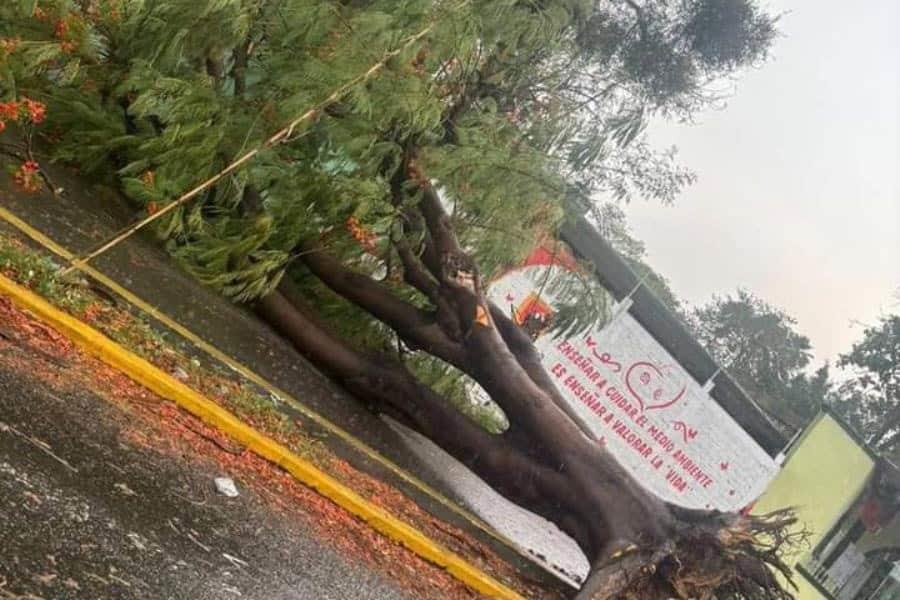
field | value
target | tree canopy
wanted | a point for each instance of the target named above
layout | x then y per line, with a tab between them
870	398
761	348
514	106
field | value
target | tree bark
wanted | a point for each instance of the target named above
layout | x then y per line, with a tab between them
391	388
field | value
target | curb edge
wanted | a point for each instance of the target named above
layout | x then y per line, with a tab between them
166	386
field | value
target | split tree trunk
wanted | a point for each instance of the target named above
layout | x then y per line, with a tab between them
545	461
565	480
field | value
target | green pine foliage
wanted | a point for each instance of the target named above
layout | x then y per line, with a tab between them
516	109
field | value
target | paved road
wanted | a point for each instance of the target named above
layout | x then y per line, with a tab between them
85	514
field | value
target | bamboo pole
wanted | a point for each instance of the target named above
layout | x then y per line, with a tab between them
283	135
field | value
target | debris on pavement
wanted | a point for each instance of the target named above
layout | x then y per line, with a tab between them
226	487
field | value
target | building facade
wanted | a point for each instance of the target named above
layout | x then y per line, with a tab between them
846	498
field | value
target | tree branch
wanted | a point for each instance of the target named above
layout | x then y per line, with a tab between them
520	344
414	272
418	328
514	340
286	308
438	223
215	67
239	70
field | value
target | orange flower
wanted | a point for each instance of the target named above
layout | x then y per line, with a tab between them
9	110
9	45
37	111
27	176
63	31
60	29
366	238
2	126
152	208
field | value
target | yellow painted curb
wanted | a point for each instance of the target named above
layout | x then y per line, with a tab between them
163	384
244	371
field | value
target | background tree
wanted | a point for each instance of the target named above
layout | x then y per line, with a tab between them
870	399
760	347
380	220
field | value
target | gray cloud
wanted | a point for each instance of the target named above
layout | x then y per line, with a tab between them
798	198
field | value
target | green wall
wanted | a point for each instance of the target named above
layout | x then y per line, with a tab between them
821	477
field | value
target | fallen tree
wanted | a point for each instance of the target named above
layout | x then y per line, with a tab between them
638	545
444	168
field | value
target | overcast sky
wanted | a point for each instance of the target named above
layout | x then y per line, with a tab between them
798	197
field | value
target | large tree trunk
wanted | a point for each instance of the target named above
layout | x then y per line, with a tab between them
637	545
389	386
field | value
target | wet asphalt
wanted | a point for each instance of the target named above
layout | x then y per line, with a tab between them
86	514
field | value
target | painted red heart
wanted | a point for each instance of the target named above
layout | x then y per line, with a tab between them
635	370
723	466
